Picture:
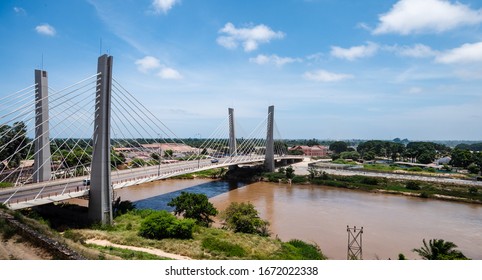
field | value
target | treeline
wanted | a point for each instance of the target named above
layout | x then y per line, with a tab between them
462	156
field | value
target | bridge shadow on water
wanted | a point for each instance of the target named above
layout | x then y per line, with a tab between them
210	189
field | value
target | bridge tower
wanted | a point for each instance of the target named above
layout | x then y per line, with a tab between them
42	168
100	195
232	134
269	156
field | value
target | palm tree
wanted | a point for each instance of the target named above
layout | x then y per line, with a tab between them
439	249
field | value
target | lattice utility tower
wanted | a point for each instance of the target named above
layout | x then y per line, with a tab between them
355	251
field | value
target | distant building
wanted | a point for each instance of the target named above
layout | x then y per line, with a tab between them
176	148
444	160
313	151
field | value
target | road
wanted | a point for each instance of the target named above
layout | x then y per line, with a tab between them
302	169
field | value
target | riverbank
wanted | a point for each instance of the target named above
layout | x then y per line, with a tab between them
398	184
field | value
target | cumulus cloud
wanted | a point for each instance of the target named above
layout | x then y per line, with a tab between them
149	64
416	51
169	73
355	52
466	53
325	76
249	37
273	59
163	6
45	29
416	16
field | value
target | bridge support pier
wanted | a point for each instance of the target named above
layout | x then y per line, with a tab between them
232	134
42	167
269	157
100	194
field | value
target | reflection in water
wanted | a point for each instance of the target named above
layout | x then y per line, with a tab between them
392	224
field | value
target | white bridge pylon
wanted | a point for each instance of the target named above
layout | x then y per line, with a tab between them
95	136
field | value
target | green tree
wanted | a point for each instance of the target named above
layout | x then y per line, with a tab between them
290	172
243	217
350	155
338	147
194	206
473	168
168	153
13	142
439	249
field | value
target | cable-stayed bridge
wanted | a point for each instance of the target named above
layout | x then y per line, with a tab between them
94	136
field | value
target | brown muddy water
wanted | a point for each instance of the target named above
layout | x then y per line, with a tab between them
392	224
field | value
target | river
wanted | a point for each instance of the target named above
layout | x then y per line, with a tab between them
391	224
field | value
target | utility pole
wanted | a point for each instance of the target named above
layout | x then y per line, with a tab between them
354	243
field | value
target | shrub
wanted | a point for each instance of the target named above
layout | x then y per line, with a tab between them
369	181
307	251
162	224
300	250
122	207
473	190
413	185
194	206
243	217
275	176
299	180
415	169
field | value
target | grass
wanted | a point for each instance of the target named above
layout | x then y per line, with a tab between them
207	243
125	254
210	173
5	185
446	191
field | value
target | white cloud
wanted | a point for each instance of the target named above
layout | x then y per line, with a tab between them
466	53
273	59
19	10
355	52
148	63
250	38
415	90
416	51
169	74
163	5
325	76
46	29
416	16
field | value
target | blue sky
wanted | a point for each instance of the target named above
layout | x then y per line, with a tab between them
333	69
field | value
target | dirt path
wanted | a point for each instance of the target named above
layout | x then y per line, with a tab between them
15	248
156	252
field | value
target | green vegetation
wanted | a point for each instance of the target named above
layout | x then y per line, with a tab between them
438	249
206	243
424	189
6	185
162	224
221	246
194	206
210	173
243	217
124	254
